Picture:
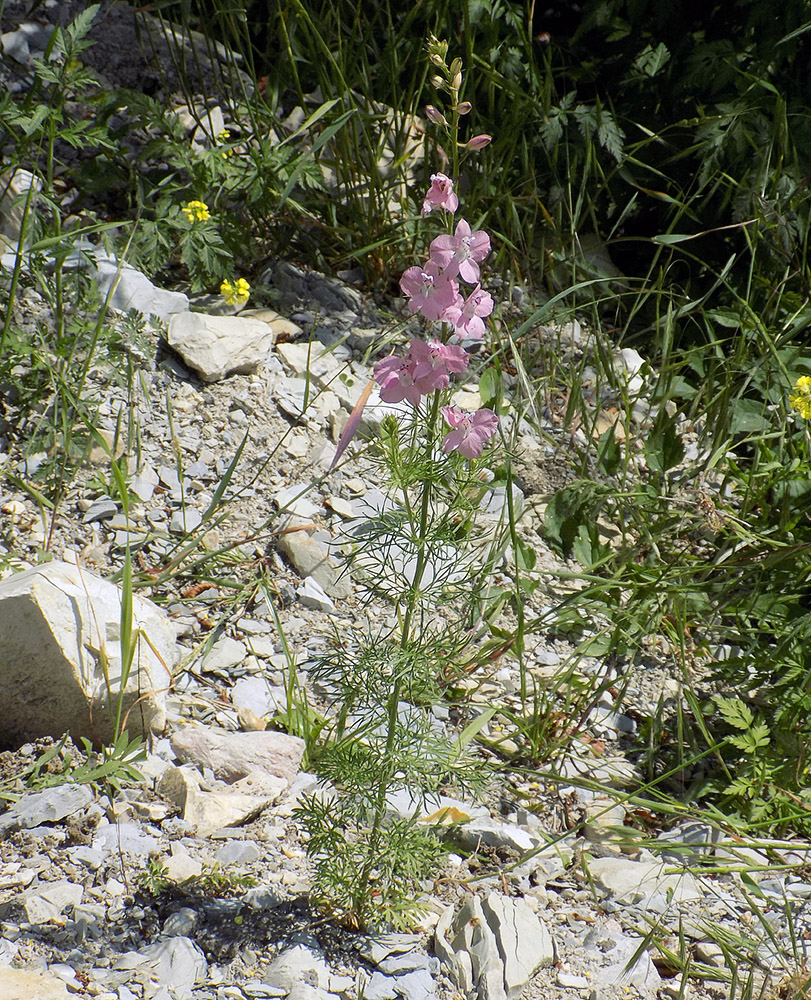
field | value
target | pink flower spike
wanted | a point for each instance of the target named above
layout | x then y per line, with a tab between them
460	254
469	319
478	142
440	195
429	291
469	431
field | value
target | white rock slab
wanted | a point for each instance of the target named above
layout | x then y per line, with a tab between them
631	882
22	984
524	942
218	346
474	938
177	962
59	626
233	756
47	902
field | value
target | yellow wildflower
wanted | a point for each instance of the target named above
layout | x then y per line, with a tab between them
223	137
800	399
236	293
196	211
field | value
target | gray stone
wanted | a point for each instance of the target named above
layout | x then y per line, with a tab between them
376	949
185	520
100	510
629	882
218	346
238	852
129	838
48	806
181	923
310	558
47	902
59	649
298	965
688	841
124	287
494	834
417	985
256	694
524	942
380	987
232	756
312	595
176	962
224	653
475	941
264	898
411	961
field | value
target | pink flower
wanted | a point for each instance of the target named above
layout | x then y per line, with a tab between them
427	367
468	318
460	254
429	291
470	430
434	363
478	142
395	376
440	195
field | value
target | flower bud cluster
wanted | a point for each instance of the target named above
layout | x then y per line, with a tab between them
433	290
449	79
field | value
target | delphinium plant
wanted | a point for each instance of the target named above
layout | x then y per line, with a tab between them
369	864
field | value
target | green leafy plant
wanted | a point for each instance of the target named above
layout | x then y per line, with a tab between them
153	880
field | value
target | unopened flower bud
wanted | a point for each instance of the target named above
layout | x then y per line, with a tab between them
456	66
438	82
437	59
432	114
478	142
456	83
464	108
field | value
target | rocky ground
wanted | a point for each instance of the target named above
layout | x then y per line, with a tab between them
193	881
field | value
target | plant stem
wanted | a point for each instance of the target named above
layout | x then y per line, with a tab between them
396	689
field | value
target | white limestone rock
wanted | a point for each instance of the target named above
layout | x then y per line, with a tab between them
59	633
629	882
208	811
18	983
524	942
235	756
310	558
218	346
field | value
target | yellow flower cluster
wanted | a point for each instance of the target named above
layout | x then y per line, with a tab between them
196	211
800	399
236	293
222	137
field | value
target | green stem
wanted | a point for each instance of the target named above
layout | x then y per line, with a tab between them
375	833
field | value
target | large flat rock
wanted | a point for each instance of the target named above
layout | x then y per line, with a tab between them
60	657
